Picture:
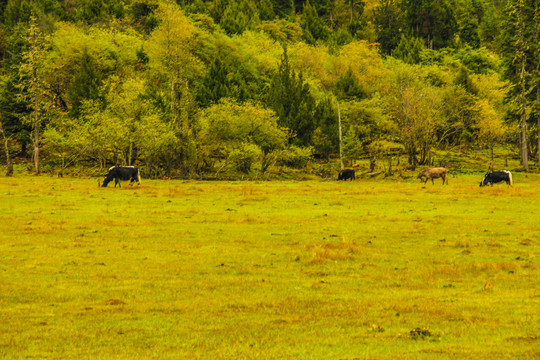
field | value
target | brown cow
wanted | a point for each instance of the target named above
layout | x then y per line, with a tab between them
434	173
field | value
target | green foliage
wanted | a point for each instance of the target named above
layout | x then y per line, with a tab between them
387	20
347	87
312	26
142	56
460	114
325	137
239	132
290	98
266	10
367	120
479	61
464	80
215	84
352	147
469	33
296	157
282	31
239	16
185	65
86	83
244	155
431	20
408	50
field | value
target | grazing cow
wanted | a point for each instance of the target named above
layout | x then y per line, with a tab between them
122	173
347	174
497	177
434	173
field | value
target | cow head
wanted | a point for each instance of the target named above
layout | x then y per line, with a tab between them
106	180
485	181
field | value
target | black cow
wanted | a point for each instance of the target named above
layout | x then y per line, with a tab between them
122	173
347	174
497	177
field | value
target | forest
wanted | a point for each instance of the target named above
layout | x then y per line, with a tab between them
200	89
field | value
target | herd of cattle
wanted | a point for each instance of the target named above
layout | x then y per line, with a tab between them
132	174
441	172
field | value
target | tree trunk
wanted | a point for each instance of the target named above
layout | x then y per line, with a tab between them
9	171
342	166
537	45
538	118
491	156
36	124
524	149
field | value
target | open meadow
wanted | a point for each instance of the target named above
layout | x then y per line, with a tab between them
269	270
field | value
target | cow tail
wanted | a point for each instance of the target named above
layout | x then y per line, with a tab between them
139	176
510	177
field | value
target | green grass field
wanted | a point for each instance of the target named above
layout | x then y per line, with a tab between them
269	270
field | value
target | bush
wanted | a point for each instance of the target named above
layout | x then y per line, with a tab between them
244	156
296	157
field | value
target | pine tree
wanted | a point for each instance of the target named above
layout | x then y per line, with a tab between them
14	99
516	44
215	85
86	84
387	21
290	98
432	20
312	25
408	50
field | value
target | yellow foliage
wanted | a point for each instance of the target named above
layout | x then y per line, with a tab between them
491	127
171	46
326	68
248	46
365	63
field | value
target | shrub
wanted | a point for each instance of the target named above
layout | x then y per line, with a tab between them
296	157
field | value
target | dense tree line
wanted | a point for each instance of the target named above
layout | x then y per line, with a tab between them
195	88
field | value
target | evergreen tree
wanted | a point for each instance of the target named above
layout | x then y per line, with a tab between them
239	15
312	25
15	108
408	50
464	80
17	11
356	8
517	46
432	20
387	21
86	84
325	138
215	85
347	87
290	98
284	8
469	32
266	10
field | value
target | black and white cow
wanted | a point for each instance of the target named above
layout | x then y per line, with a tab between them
497	177
346	174
122	173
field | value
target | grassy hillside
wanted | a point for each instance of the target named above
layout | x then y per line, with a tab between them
250	270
